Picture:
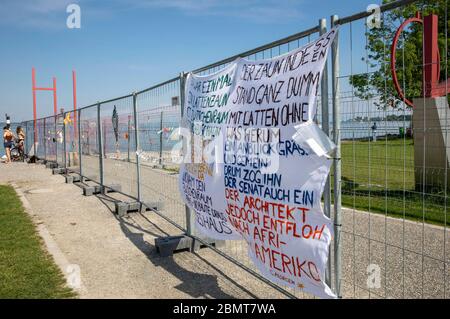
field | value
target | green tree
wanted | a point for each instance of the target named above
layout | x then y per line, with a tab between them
409	54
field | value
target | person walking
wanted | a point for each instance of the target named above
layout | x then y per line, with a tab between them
374	131
8	140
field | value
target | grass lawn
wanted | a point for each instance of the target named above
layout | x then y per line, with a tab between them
379	177
26	269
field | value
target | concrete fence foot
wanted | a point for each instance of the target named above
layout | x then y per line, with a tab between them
123	208
51	165
59	170
167	246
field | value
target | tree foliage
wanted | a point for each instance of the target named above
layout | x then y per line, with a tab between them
409	58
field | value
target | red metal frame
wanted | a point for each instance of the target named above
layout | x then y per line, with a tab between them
431	58
34	89
55	99
33	84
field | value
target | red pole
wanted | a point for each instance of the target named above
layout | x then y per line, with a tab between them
400	92
74	86
55	105
431	55
33	84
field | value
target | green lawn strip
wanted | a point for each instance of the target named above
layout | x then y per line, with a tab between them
26	269
411	209
379	177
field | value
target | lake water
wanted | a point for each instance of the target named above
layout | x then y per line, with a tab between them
359	130
149	137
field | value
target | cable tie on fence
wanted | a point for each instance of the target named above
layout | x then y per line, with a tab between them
338	225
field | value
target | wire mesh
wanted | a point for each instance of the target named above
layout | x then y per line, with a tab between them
90	162
238	249
59	139
29	137
50	136
71	140
117	124
394	196
158	116
41	137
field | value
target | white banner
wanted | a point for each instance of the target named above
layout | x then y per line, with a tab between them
246	177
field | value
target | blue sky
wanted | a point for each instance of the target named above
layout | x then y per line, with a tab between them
128	45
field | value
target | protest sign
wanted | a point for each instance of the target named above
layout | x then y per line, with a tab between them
244	175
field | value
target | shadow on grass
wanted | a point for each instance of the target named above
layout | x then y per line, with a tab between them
430	207
410	204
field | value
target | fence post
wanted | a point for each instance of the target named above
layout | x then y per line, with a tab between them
104	130
79	142
337	157
160	138
182	98
137	146
100	146
25	142
64	141
129	135
24	145
44	142
28	141
34	137
55	137
326	129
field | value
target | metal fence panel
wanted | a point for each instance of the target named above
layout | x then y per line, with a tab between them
41	136
49	143
119	145
29	137
71	140
237	249
390	247
158	117
59	139
90	165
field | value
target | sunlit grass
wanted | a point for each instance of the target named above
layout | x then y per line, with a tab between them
26	269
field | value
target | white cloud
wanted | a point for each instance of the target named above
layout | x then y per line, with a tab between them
33	13
51	14
271	11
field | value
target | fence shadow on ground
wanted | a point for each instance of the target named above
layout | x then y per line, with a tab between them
197	285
